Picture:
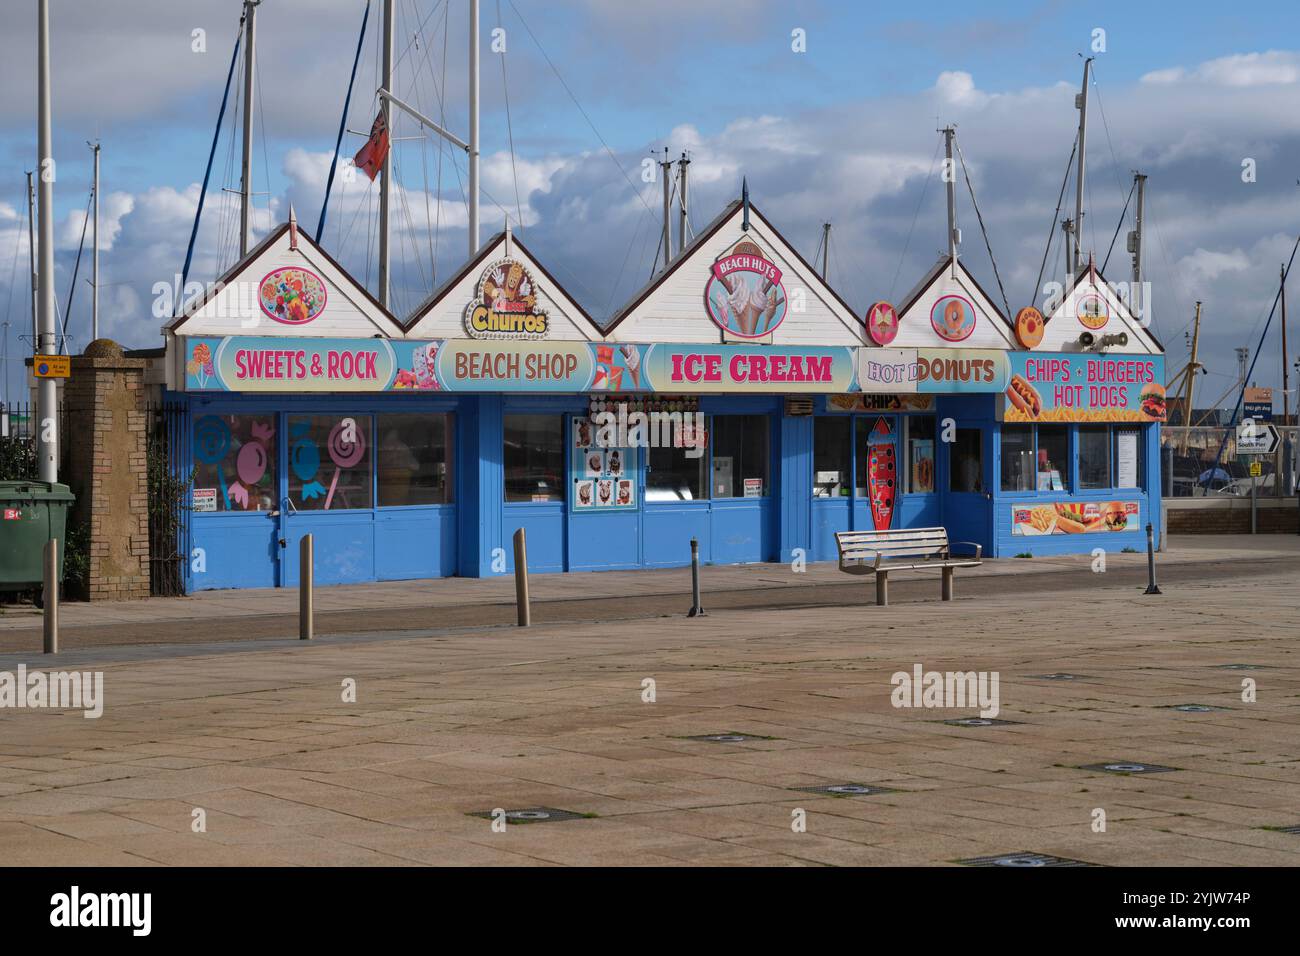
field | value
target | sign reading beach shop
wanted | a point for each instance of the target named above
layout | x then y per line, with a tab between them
932	370
744	294
505	306
748	368
1064	387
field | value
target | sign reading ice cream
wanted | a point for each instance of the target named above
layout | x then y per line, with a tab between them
748	368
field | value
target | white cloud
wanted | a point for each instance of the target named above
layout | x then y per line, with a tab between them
1271	68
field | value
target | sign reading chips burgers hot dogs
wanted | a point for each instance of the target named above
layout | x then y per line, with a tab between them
1062	387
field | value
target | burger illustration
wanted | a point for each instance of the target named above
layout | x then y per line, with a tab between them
1115	516
1153	402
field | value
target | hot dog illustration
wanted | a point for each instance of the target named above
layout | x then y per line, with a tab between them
1024	396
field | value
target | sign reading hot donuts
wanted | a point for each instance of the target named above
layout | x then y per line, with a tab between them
932	370
744	295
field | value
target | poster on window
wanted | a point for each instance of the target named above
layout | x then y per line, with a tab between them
1075	517
603	478
922	465
1127	459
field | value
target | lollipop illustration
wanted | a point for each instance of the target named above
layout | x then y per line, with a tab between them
346	447
211	442
304	459
201	364
251	463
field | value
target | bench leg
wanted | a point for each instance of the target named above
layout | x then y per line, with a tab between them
882	588
947	583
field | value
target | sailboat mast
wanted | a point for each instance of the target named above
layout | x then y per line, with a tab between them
1286	404
94	257
1081	102
47	418
385	171
950	180
31	257
246	162
473	127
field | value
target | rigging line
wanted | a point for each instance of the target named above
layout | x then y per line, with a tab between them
343	123
510	132
424	180
1119	184
442	111
419	29
1051	235
925	185
72	286
980	218
203	191
636	229
1259	347
266	159
1118	226
554	70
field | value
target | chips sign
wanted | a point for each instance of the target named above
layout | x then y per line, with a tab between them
52	366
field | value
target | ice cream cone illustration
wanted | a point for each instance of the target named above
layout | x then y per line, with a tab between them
632	359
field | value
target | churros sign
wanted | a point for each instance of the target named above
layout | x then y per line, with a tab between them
505	306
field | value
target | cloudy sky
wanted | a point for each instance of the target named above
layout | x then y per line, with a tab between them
844	131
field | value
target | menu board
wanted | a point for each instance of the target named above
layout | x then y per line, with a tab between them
603	479
1126	459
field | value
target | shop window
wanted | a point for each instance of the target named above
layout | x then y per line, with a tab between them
673	475
1094	457
235	463
740	456
920	454
534	457
1017	453
1128	458
832	456
329	462
1053	458
966	454
413	460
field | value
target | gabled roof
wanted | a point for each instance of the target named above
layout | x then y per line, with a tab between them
937	275
1091	276
338	279
556	292
728	215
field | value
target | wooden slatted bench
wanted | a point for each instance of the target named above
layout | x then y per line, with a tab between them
902	549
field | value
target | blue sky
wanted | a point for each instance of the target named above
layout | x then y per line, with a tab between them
843	132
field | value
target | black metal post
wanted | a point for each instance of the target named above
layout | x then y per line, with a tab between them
1151	563
696	609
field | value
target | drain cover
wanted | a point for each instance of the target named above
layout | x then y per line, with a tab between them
534	815
1023	860
1127	766
727	738
846	790
1061	677
1196	708
978	722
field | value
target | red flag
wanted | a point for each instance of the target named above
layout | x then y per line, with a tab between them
370	157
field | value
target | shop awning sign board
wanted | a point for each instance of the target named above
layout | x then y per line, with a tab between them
932	370
1257	438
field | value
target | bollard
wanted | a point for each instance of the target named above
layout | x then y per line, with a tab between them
51	596
521	580
1151	563
696	610
306	574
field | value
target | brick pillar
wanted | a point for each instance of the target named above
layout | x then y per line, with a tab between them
106	468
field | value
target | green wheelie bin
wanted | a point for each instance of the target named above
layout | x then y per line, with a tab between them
31	513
